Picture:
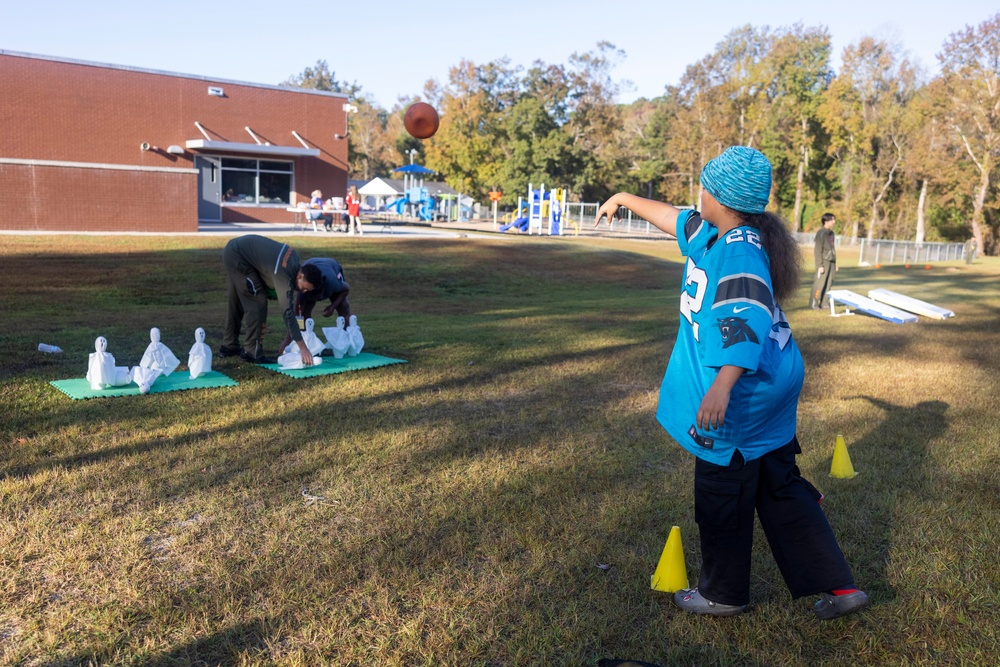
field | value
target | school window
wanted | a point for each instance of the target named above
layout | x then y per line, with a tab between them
256	182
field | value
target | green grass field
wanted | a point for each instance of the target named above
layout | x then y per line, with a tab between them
467	497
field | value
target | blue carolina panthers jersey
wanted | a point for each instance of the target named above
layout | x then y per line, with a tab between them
729	318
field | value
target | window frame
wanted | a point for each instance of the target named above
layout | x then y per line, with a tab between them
256	171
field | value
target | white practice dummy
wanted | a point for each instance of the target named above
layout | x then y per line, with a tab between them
101	371
158	355
144	377
355	337
292	360
123	376
200	356
337	339
310	338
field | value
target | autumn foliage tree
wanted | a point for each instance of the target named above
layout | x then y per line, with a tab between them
891	154
970	63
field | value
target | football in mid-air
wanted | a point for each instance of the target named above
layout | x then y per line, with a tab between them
421	120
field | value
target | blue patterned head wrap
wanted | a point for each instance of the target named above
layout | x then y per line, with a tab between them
740	179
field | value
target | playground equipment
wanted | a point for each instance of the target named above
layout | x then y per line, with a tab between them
451	208
541	207
520	222
419	198
495	197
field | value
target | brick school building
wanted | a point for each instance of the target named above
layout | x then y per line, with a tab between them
95	147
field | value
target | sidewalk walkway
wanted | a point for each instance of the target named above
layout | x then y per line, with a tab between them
378	229
372	229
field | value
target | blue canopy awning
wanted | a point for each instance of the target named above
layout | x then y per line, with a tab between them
415	169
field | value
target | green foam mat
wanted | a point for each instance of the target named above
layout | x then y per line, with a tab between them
331	365
79	388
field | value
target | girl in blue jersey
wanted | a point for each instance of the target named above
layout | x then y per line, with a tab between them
731	389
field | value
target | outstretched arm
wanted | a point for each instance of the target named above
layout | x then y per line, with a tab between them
662	216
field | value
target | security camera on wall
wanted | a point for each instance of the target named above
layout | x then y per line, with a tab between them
144	146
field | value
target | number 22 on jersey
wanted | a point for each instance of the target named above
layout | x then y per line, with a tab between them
691	304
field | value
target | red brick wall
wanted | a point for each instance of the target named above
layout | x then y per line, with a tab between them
77	112
64	198
251	214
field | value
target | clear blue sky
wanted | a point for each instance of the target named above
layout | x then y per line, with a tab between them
392	47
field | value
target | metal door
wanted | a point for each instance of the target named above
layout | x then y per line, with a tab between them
209	189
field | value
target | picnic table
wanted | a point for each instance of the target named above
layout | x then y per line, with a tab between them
302	221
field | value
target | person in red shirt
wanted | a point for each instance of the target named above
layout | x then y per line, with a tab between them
353	202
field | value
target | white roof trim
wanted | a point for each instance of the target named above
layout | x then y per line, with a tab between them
144	70
238	147
94	165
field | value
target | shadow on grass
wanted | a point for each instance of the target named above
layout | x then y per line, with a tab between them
540	525
299	426
225	647
892	462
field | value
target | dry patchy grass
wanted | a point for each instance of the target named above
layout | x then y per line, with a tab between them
457	506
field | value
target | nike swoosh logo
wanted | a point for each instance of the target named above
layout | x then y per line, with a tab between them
740	310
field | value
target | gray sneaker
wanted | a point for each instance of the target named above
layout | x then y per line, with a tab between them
834	606
691	600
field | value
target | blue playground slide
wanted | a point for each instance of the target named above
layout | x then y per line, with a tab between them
521	223
418	197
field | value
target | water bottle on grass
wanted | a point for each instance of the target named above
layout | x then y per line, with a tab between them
51	349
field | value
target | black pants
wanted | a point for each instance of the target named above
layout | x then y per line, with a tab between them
801	539
247	302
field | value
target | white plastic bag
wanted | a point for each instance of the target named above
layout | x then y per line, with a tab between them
200	356
337	339
292	360
101	369
158	355
312	341
309	337
355	337
145	377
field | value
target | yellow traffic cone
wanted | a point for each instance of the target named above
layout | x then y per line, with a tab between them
671	573
841	466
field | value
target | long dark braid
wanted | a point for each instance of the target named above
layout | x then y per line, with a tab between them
781	248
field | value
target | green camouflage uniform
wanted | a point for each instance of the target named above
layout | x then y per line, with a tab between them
255	265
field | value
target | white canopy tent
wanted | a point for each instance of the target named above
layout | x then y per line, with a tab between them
380	190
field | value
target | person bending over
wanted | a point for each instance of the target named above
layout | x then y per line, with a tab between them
325	280
256	265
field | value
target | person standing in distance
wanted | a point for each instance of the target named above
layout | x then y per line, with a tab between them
256	265
731	390
970	250
825	255
353	201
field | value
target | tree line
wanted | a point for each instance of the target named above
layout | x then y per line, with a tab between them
892	152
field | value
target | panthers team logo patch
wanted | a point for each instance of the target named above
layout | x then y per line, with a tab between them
735	330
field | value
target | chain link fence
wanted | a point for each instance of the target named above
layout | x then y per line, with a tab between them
579	218
627	223
905	252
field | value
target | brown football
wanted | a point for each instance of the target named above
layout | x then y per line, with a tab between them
421	120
